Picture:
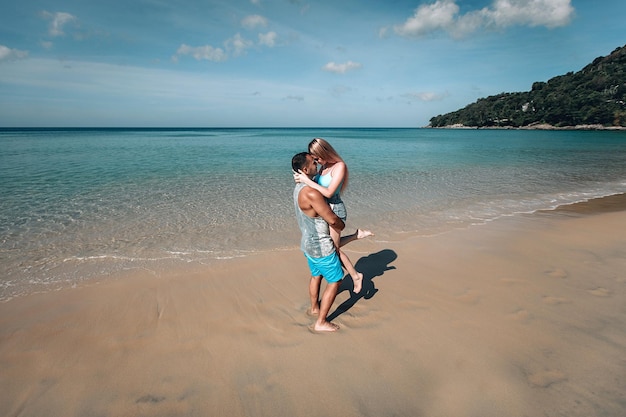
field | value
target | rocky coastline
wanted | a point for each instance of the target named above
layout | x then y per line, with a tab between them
536	126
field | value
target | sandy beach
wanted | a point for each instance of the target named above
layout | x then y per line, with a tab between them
523	316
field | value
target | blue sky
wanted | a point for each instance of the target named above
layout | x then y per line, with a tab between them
284	63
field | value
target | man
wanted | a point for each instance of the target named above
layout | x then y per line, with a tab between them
315	219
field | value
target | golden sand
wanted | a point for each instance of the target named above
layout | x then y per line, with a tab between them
525	316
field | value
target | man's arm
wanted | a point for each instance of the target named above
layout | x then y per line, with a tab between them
321	208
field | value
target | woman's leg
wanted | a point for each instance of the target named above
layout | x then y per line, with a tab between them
359	234
357	277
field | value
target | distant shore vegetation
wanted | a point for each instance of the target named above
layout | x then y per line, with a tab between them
592	98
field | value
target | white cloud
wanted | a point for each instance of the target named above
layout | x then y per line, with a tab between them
254	21
424	96
237	44
428	18
268	39
8	54
341	68
59	20
206	52
549	13
256	2
468	23
444	15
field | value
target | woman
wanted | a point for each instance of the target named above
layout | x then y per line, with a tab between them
331	181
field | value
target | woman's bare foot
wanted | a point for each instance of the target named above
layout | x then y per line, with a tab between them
362	234
325	326
358	282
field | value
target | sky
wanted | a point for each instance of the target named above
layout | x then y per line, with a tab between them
284	63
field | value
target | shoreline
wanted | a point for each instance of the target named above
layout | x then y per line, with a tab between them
607	204
172	265
539	126
520	316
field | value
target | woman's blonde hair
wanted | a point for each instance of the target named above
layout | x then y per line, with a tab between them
320	148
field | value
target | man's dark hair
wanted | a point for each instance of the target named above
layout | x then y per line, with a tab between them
298	161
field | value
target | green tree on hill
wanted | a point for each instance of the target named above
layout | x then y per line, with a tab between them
595	95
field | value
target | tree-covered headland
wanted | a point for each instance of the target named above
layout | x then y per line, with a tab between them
593	96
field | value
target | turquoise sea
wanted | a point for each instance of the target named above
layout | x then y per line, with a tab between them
78	204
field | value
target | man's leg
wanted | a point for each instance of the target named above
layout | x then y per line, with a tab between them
314	294
328	298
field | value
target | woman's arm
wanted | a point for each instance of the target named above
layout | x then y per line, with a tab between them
302	177
339	171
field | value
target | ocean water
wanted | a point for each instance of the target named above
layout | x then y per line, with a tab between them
79	204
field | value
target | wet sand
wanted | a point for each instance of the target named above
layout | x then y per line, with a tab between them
524	316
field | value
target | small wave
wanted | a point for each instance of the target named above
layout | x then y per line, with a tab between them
116	258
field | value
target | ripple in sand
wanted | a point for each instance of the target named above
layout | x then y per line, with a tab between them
513	281
544	379
364	319
261	389
520	315
413	305
557	273
469	297
552	300
600	292
152	399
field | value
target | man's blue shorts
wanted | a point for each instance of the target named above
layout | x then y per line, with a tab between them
328	266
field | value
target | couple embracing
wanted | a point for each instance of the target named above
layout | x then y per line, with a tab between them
321	215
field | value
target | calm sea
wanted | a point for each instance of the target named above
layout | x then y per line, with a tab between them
76	204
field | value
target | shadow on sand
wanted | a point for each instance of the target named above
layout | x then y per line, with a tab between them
371	266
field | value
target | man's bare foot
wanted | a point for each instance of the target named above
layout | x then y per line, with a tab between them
358	282
313	312
325	326
361	234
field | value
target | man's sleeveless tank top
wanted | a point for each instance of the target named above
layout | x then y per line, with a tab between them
316	241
